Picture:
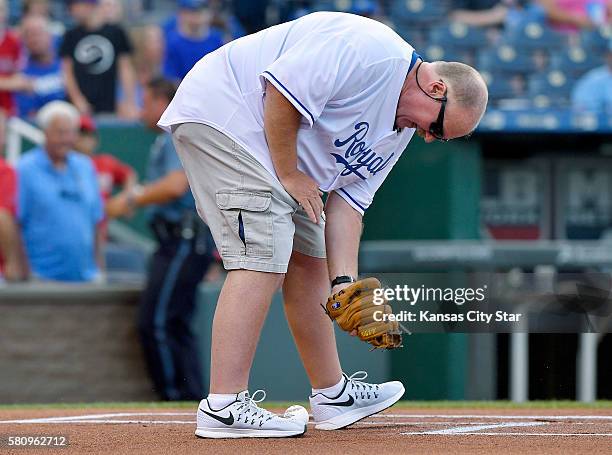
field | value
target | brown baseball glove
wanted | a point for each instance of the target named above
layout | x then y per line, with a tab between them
353	308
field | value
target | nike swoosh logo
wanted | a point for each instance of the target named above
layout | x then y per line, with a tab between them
226	420
348	402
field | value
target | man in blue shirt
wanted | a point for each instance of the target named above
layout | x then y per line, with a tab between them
191	40
43	68
59	203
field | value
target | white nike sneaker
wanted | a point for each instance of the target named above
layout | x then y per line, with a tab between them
356	401
244	419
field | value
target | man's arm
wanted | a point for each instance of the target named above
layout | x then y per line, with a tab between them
16	83
127	77
482	18
168	188
72	87
343	229
281	125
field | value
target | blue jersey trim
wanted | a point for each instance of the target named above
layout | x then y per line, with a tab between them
291	94
352	199
413	60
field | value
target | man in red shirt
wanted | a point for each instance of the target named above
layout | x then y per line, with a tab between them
111	171
10	58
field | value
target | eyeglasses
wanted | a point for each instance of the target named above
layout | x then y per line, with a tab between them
436	129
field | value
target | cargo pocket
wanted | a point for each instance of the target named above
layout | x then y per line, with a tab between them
248	223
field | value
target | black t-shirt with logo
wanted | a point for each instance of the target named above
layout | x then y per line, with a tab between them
94	55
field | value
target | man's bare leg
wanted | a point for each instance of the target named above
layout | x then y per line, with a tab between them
241	310
306	287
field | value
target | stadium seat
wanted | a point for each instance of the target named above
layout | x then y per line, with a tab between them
436	52
505	58
331	5
500	86
551	89
458	35
534	35
597	40
418	11
575	61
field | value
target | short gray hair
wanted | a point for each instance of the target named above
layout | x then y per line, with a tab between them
467	87
55	109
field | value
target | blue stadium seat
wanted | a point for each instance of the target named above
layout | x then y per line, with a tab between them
418	11
435	52
551	89
598	40
505	59
331	5
500	86
575	61
531	35
458	35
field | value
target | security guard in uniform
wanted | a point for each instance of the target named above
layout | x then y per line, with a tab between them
185	251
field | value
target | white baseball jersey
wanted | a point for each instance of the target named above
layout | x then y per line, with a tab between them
342	72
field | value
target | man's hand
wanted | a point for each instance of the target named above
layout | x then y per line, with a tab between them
119	206
306	191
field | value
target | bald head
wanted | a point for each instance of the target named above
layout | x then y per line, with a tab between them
466	88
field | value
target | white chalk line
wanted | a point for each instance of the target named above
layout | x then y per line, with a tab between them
379	416
475	428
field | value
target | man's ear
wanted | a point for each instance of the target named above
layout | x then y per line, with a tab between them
437	89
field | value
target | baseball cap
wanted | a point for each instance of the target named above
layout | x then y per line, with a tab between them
192	4
87	125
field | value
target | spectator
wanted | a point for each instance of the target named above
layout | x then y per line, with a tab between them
593	92
42	72
94	55
148	56
112	11
112	173
177	267
42	8
13	266
10	59
570	16
59	204
190	40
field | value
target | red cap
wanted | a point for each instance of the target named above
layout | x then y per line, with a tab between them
88	125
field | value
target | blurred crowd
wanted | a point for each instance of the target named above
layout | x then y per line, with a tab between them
64	63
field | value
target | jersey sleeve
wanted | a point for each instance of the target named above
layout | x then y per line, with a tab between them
313	72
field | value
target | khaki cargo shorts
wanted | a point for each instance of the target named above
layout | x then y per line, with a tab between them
256	224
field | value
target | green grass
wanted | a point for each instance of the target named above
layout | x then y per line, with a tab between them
190	405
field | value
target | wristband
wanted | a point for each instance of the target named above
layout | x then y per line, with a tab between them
342	279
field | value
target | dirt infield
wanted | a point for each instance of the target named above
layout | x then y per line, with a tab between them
152	430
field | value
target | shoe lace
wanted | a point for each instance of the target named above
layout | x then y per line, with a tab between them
356	382
250	406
